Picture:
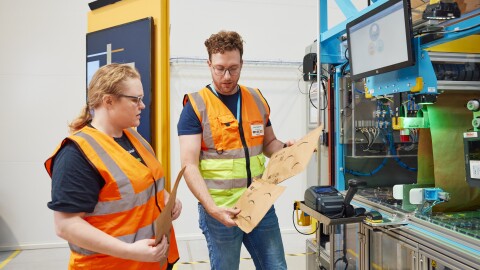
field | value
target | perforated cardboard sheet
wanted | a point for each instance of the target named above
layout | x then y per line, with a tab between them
255	203
262	193
292	160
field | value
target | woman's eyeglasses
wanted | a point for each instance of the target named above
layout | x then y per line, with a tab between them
136	99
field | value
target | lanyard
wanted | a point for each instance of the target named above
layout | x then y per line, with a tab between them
238	100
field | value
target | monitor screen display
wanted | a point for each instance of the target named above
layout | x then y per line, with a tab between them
380	40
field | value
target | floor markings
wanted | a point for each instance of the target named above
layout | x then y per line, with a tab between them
243	259
9	258
16	252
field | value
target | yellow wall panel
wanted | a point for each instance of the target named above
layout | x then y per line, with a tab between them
131	10
467	44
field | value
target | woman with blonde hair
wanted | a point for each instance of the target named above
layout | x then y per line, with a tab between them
107	185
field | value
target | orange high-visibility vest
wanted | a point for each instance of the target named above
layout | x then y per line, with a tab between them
126	207
231	152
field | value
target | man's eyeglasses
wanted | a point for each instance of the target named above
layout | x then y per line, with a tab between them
220	71
136	99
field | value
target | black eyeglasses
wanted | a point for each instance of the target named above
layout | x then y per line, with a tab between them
136	99
220	71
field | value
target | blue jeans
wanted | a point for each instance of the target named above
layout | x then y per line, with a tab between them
264	243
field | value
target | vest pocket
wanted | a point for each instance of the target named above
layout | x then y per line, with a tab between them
228	126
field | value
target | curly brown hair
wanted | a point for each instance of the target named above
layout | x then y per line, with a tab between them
224	41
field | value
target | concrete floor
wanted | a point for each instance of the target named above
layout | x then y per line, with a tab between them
193	256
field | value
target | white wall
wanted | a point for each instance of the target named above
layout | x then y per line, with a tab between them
42	87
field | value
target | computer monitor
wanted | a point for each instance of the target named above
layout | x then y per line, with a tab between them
381	40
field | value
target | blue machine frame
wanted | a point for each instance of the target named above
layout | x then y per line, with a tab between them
417	79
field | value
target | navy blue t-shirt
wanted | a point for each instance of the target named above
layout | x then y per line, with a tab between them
189	124
76	183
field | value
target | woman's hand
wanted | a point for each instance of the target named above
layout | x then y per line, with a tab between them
145	251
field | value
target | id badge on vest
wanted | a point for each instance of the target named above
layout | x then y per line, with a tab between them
257	130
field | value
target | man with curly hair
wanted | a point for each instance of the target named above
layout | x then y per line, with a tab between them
225	134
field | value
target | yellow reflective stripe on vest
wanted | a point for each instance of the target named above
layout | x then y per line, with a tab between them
225	169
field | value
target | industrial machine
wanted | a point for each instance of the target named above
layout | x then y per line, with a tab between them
396	85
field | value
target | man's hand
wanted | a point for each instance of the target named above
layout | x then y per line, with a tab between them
289	143
225	215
